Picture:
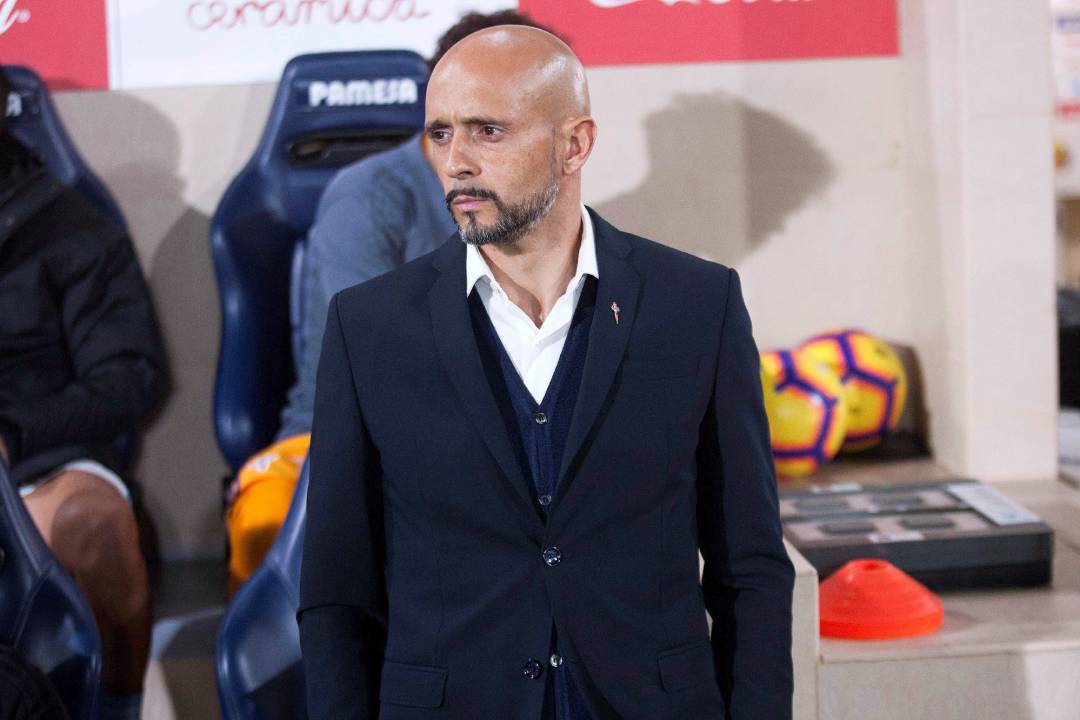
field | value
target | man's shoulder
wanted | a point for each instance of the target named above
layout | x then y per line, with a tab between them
671	278
661	258
393	292
655	259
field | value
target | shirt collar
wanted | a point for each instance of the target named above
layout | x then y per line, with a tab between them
476	266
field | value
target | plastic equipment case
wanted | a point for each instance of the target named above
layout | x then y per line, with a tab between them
951	535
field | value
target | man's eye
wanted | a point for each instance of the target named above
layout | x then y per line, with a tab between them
439	135
490	130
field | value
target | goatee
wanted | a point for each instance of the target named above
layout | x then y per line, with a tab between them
512	222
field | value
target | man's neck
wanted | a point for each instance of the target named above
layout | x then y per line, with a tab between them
535	271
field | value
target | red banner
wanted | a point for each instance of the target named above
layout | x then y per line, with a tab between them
626	32
63	40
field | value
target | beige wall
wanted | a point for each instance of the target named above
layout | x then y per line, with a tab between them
168	155
910	196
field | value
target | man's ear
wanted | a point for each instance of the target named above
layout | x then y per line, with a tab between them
581	136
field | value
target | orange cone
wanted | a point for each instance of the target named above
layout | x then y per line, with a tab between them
875	600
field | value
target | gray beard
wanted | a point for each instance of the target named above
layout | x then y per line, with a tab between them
512	222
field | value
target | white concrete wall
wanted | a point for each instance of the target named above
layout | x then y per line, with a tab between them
910	196
985	177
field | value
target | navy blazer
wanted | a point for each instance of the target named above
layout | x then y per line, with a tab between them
424	592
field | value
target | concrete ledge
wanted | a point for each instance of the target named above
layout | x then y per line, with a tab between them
1004	653
804	636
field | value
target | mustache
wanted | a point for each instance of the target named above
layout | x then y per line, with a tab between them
475	192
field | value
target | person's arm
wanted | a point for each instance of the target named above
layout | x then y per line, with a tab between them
351	241
748	578
342	612
117	360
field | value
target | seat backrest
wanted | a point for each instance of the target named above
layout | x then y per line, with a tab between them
33	120
259	671
42	613
330	110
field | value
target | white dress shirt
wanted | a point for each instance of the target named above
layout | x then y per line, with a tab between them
534	350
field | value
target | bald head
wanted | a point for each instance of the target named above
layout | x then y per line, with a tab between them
509	131
526	61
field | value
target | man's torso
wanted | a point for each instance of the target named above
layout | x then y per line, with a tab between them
467	571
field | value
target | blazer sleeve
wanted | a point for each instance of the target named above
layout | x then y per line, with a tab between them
748	578
342	611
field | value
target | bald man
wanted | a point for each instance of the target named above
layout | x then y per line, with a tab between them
522	440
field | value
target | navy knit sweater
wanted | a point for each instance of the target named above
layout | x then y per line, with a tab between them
538	432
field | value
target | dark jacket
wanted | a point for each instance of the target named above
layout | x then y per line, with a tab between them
81	359
431	578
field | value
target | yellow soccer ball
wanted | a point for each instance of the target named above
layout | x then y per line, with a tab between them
805	403
875	383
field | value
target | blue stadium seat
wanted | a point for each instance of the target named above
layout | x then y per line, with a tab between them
330	110
259	673
42	613
33	120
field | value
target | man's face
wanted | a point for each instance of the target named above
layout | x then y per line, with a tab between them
494	151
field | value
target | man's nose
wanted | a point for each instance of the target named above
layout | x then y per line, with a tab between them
459	162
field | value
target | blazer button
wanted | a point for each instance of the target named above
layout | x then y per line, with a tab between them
540	418
552	556
532	669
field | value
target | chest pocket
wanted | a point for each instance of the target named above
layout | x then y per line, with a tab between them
646	369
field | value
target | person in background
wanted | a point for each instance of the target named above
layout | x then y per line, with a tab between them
81	363
374	216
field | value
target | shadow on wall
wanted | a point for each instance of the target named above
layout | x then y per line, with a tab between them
723	176
136	150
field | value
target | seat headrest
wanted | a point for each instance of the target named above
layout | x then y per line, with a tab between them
33	120
332	109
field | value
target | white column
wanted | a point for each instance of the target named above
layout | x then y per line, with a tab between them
984	187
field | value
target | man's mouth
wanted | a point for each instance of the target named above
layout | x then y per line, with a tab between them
468	203
468	199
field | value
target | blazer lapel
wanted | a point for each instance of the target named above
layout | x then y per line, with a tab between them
619	285
456	344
